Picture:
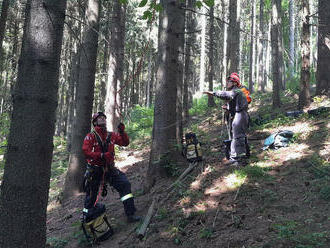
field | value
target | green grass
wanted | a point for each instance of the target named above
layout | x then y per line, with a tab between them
54	242
296	234
253	172
205	233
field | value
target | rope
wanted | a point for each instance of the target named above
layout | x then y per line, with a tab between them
101	188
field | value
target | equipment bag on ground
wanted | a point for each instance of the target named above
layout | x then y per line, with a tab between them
95	225
192	150
278	139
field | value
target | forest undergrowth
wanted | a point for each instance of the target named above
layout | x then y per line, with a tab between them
281	199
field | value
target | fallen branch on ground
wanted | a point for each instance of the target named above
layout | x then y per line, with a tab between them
186	172
238	190
141	232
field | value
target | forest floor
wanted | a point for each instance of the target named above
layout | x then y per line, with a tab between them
281	199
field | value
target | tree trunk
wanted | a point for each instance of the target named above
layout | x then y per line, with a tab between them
210	100
116	64
268	56
163	149
106	54
276	62
85	95
233	41
203	48
252	46
74	75
179	109
291	38
3	20
261	81
304	96
323	65
188	72
225	40
59	116
24	191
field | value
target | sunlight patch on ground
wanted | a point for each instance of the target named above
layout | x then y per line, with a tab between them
234	181
197	183
127	159
326	152
264	164
295	151
303	128
53	205
201	206
214	191
184	201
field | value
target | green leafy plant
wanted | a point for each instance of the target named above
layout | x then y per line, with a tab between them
141	121
286	230
199	106
55	242
296	234
206	233
325	193
162	214
80	237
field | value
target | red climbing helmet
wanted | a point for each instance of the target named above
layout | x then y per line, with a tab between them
97	115
234	78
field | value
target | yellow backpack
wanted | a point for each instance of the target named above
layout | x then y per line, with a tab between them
96	227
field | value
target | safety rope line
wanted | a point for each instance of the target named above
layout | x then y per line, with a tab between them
138	70
100	189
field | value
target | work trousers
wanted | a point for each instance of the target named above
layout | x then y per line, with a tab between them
239	148
94	176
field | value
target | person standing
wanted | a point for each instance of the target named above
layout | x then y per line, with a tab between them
238	118
99	150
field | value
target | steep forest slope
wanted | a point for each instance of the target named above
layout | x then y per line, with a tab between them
281	199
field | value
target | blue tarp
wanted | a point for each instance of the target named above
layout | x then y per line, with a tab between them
278	139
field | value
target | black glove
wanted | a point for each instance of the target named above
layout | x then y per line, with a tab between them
121	128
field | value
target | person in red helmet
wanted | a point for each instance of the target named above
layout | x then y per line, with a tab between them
99	150
238	118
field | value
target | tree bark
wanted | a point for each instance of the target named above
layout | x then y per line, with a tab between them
323	64
210	100
225	40
291	38
3	20
85	95
304	96
233	41
276	63
203	48
252	46
24	191
179	104
163	148
188	72
262	67
116	64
